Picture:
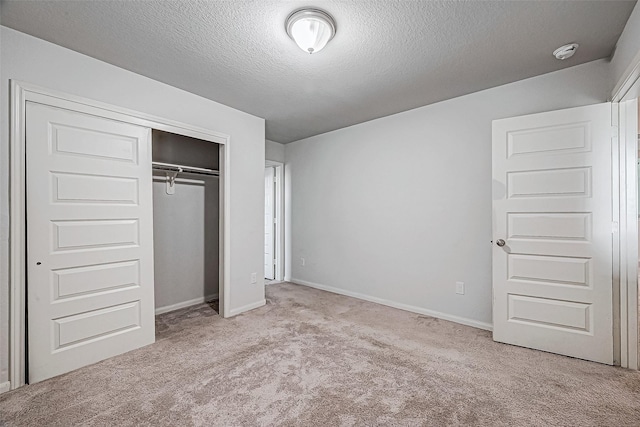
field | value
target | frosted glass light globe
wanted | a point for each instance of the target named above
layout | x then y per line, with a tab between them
311	29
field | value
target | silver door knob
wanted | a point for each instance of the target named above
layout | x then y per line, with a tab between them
500	242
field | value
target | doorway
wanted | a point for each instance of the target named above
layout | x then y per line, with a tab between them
273	222
619	236
269	225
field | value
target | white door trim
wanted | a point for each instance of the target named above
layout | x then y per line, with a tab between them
21	93
627	119
629	83
279	204
624	94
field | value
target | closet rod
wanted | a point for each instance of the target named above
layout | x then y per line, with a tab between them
184	169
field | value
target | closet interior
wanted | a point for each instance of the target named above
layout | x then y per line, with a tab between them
186	213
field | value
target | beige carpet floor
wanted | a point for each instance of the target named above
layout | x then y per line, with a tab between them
311	358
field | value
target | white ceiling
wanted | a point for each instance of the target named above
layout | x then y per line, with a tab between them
388	55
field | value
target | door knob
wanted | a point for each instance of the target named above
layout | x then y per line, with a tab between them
500	242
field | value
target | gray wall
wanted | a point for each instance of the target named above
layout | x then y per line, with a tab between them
274	151
185	224
35	61
627	48
399	208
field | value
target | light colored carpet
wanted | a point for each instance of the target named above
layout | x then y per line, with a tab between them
312	358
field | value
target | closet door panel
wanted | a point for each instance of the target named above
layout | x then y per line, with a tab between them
89	242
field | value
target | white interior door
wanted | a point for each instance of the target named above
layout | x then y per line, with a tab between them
269	235
89	239
552	207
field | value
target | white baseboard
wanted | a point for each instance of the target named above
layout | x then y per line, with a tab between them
5	387
184	304
239	310
411	308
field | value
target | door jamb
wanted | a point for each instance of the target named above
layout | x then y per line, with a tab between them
22	92
627	123
624	98
279	204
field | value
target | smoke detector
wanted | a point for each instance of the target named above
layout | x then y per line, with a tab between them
566	51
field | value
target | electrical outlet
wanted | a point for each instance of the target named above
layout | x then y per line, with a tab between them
460	288
302	261
254	277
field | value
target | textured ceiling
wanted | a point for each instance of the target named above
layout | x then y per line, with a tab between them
388	55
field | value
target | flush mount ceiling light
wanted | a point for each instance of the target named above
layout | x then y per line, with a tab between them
566	51
311	29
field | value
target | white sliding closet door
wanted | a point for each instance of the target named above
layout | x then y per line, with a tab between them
89	242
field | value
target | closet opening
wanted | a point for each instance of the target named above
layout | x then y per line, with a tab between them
84	199
186	225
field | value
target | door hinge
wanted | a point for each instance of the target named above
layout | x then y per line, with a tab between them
614	131
614	227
